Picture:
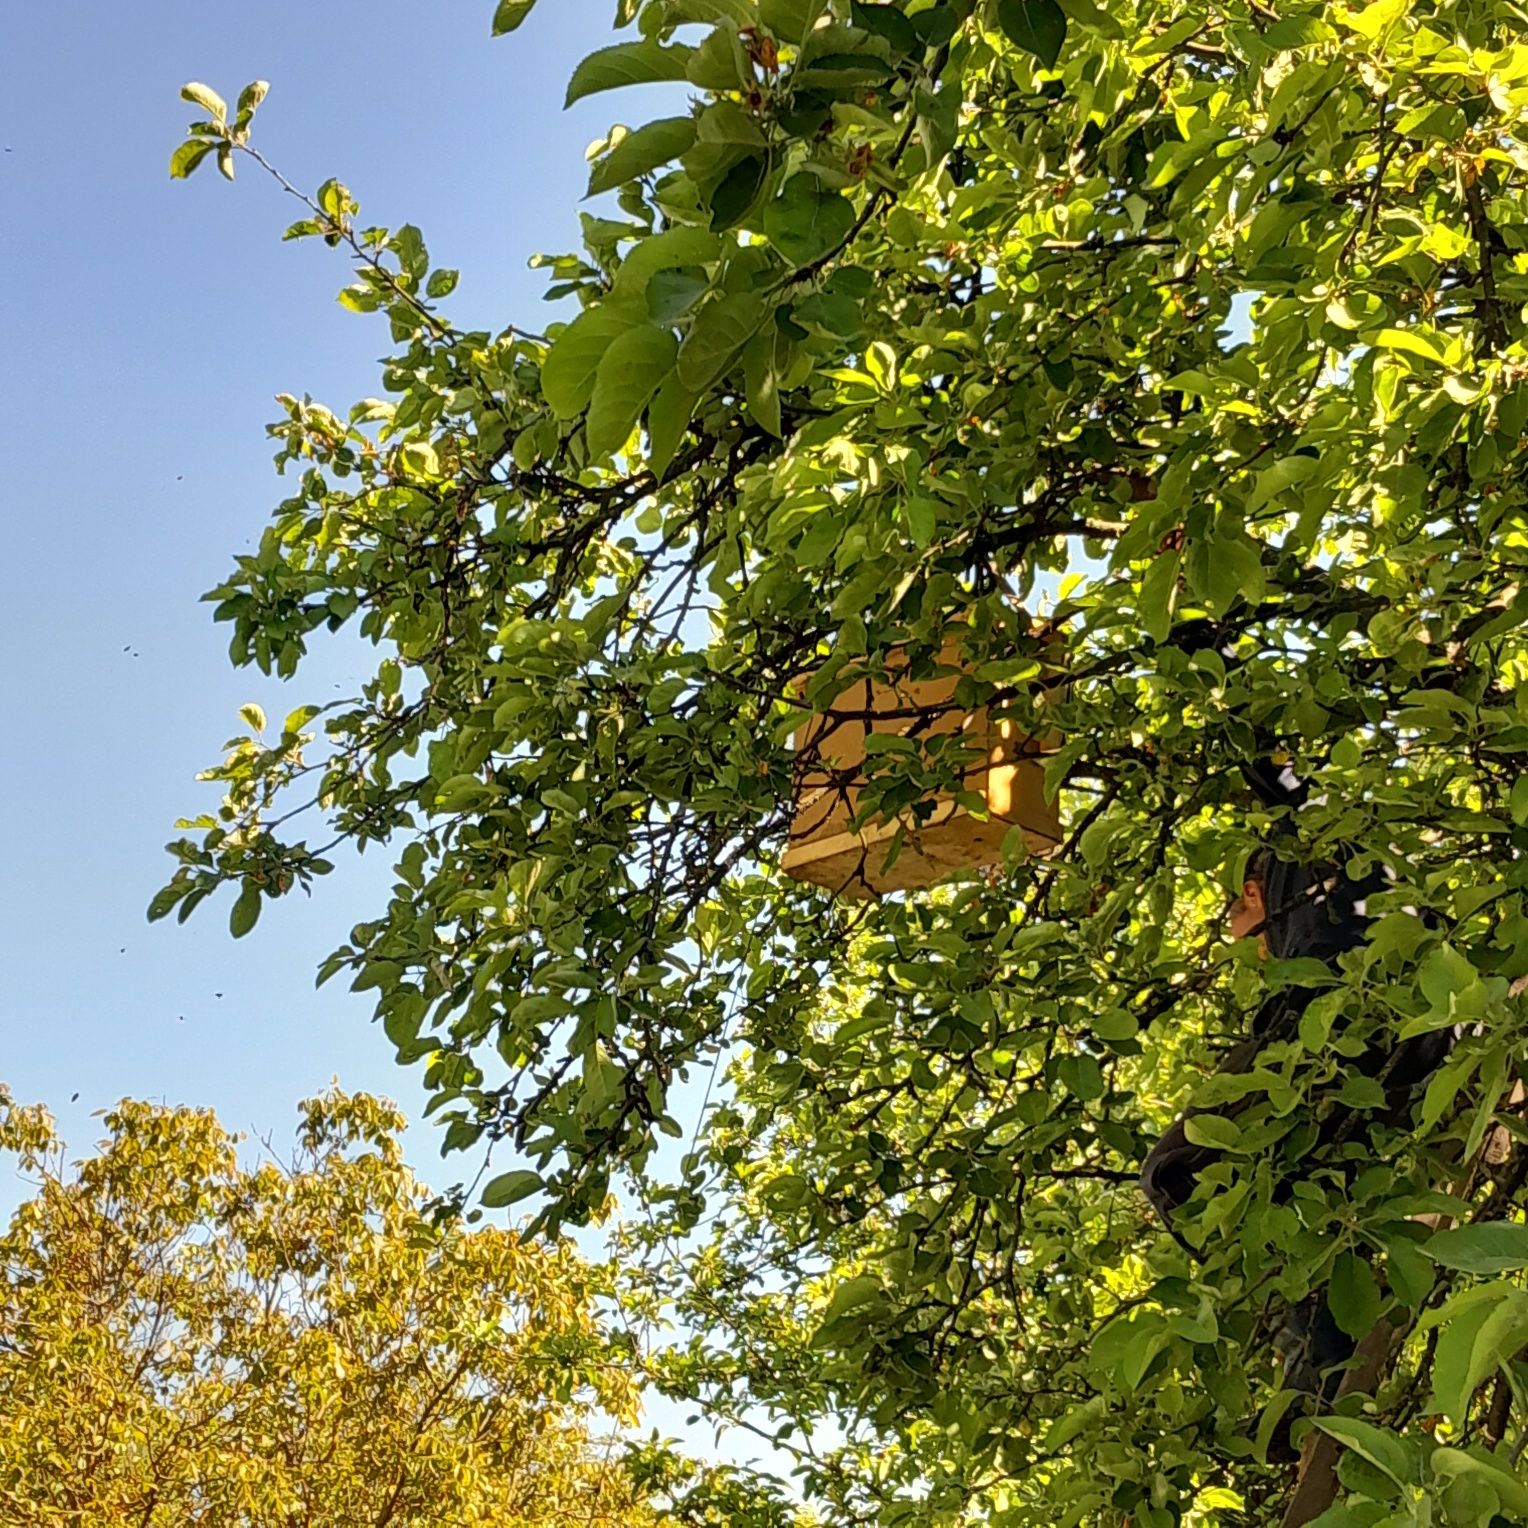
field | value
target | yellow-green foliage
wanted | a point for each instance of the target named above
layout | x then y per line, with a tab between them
186	1339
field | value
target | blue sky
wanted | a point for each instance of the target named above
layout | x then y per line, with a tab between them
147	326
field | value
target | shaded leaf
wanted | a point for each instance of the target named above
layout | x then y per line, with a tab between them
717	336
510	1188
635	365
1353	1295
568	373
806	220
1036	26
736	192
667	417
245	912
790	20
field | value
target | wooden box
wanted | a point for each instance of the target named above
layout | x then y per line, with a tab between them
999	764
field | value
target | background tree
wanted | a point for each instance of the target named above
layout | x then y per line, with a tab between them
1199	326
185	1339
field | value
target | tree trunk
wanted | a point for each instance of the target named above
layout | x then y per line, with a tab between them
1316	1483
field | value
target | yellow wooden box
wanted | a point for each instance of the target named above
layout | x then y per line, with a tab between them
1006	768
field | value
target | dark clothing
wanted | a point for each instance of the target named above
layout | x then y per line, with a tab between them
1314	912
1173	1166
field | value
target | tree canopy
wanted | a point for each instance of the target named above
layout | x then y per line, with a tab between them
185	1339
1169	357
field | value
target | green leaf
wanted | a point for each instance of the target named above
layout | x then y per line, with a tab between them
1409	342
409	246
1453	1357
790	20
602	1080
736	192
1212	1130
1372	19
1081	1075
1073	1422
401	1025
668	416
1382	1449
1273	1414
938	119
1353	1295
1517	803
245	912
887	21
922	520
1493	1246
740	11
719	63
508	14
717	336
1227	568
844	73
853	1294
724	134
642	151
442	282
672	294
1455	1463
1474	1343
1092	18
1444	973
1293	32
163	903
635	365
1193	384
761	379
511	1188
807	221
359	299
573	362
1288	472
670	250
1159	595
207	98
1036	26
254	717
190	154
627	63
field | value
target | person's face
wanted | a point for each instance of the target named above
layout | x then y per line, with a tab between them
1247	914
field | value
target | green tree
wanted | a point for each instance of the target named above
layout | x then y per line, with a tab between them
1196	329
188	1340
